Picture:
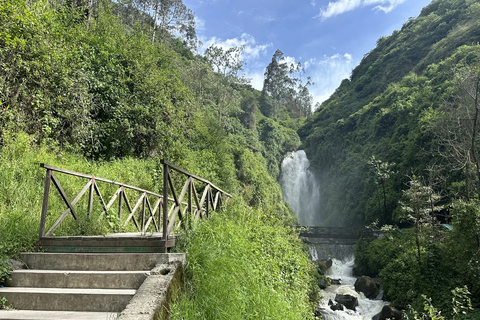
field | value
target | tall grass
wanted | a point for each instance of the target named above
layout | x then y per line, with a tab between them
22	183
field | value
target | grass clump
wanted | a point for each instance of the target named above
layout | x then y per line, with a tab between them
240	267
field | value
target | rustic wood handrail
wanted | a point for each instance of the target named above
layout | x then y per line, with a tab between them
213	196
150	215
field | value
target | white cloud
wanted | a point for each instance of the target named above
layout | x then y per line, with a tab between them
252	55
256	80
289	60
199	24
327	74
341	6
251	52
313	3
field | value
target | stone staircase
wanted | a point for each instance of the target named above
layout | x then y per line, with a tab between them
77	285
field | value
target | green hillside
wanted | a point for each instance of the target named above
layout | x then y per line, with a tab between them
388	109
102	87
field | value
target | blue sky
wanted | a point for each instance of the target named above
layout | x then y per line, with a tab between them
329	37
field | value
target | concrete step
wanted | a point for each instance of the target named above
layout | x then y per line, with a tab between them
55	315
77	279
55	299
97	261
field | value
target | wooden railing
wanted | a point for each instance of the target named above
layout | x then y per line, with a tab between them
212	198
149	210
335	232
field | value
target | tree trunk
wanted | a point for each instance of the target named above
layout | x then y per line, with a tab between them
384	201
155	22
417	240
474	136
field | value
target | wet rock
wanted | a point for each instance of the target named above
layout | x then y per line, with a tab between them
335	281
378	316
367	286
321	267
329	263
388	312
337	307
350	302
322	283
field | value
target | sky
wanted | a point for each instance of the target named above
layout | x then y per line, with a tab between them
329	37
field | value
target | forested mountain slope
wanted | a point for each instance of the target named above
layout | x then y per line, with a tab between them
112	87
391	109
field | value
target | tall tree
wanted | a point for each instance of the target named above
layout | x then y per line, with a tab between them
283	84
277	81
419	205
459	129
227	63
171	18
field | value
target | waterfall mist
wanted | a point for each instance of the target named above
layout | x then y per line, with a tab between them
300	188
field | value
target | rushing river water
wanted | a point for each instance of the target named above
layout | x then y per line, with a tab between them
366	308
302	192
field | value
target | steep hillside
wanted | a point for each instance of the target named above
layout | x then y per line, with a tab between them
389	109
102	87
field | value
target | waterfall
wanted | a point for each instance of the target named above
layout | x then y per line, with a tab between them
302	192
300	188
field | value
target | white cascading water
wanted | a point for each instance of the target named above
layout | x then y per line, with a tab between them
366	308
302	192
300	188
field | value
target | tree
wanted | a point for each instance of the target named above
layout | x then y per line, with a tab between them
249	106
286	89
277	81
383	172
170	18
459	129
419	205
226	63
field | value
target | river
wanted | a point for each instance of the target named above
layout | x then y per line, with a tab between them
301	191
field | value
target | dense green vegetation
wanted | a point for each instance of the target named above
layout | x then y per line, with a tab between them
244	268
397	144
388	109
104	88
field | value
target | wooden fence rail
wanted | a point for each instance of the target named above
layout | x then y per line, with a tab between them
149	209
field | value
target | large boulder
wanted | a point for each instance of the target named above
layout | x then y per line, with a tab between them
335	306
367	286
388	312
350	302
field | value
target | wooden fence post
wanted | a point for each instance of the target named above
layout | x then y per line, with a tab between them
189	214
46	191
165	200
90	198
143	212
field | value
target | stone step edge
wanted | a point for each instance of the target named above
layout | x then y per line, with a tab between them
55	315
33	290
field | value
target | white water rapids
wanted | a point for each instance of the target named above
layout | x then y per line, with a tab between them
302	192
366	308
